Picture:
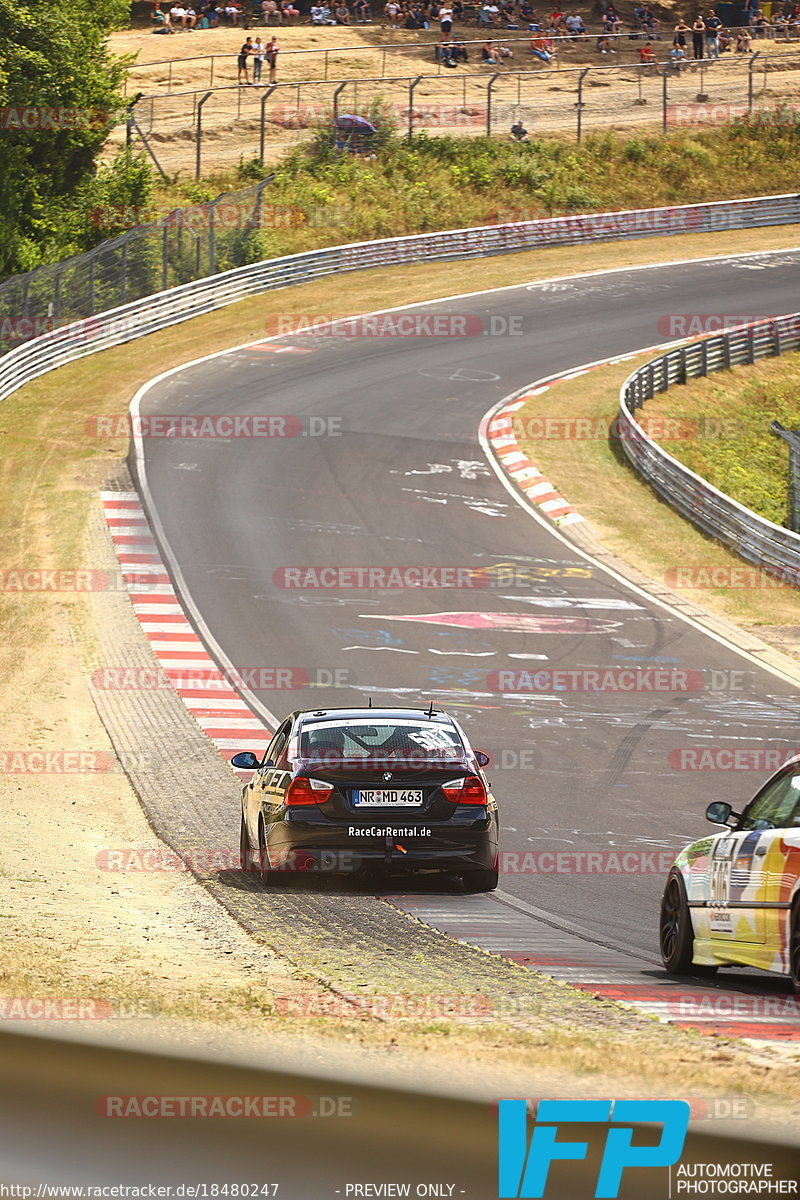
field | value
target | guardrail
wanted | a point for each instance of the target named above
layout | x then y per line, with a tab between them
759	541
64	1102
160	310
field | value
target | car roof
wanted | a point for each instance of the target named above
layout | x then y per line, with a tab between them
372	714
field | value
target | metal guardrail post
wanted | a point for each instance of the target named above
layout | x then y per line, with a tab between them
336	96
489	86
581	78
411	88
164	257
792	438
264	100
199	132
750	66
664	99
125	270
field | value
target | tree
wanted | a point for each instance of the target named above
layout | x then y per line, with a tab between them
60	94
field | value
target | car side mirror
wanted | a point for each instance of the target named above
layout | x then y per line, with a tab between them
719	813
482	759
245	760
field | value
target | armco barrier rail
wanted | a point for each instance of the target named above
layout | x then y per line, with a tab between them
155	312
55	1094
756	539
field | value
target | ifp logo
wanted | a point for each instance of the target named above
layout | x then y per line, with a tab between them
524	1168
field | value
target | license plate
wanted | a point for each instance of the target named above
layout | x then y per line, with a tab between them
376	797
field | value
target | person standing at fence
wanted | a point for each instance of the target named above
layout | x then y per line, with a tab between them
679	33
698	32
271	55
258	61
713	26
241	61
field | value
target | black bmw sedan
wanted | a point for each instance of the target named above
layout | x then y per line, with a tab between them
390	790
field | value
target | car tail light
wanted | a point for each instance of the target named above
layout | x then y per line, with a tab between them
308	791
469	790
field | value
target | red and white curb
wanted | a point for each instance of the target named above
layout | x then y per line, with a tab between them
209	696
525	474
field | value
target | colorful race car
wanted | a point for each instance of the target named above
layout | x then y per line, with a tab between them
734	898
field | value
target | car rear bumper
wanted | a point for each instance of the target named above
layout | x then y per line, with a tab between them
347	849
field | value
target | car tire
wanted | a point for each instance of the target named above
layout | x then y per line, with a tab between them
485	880
267	876
245	849
675	929
794	949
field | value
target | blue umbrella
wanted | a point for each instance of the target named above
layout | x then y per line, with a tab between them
354	124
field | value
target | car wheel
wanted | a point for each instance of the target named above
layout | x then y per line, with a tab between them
245	850
675	928
485	880
794	949
267	876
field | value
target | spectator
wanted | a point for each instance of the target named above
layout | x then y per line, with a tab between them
392	13
698	33
270	10
362	12
761	25
527	12
725	39
289	12
612	22
542	48
342	13
271	55
646	55
489	53
321	15
677	57
519	132
780	24
575	26
241	61
490	14
233	12
603	44
445	18
177	16
713	26
651	24
680	32
161	20
258	61
744	42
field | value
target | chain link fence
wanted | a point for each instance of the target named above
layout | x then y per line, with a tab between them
187	130
179	247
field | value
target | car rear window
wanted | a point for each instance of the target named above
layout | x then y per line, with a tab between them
405	740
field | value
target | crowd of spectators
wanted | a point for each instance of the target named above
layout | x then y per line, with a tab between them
705	37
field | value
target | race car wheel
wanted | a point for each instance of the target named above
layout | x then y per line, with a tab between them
675	929
485	880
245	851
267	876
794	949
